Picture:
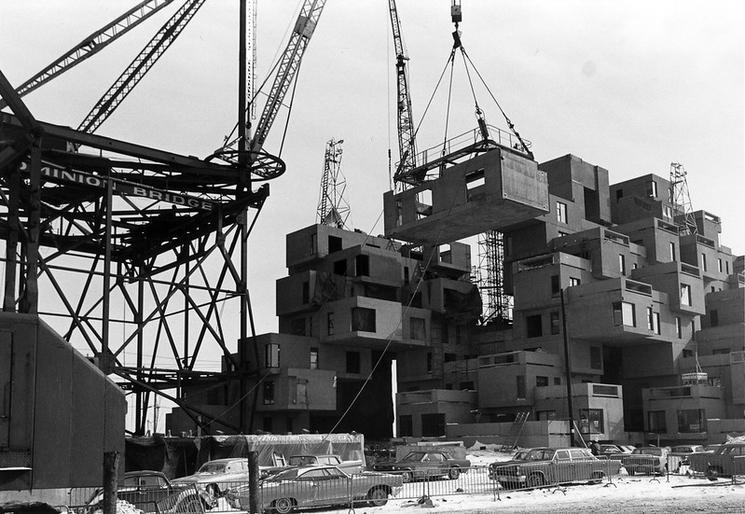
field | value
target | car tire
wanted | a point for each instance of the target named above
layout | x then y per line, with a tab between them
283	505
407	476
535	480
377	497
454	473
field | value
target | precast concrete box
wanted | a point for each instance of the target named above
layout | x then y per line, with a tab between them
59	413
493	190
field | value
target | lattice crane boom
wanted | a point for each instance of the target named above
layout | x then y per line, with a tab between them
405	116
92	45
333	208
141	64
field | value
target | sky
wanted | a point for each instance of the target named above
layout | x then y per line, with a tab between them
631	86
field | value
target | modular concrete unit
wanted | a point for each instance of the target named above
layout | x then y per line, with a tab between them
490	191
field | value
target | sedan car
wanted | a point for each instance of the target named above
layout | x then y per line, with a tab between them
550	466
216	476
420	464
678	456
728	460
318	486
647	459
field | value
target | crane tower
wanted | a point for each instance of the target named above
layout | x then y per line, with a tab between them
333	208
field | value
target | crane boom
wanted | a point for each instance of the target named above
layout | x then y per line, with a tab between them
287	69
406	132
92	45
141	64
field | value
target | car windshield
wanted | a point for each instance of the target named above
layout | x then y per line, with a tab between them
212	467
289	474
541	454
413	456
682	449
521	455
302	460
648	451
609	448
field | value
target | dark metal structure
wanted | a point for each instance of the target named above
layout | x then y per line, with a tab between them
113	241
333	208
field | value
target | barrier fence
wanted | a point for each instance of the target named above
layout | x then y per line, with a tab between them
376	488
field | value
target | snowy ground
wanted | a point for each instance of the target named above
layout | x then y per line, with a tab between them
628	494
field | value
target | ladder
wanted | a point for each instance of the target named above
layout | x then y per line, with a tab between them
517	429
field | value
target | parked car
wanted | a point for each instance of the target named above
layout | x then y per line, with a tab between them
549	466
349	467
318	486
520	456
420	464
216	476
614	451
728	460
647	459
151	491
679	454
711	448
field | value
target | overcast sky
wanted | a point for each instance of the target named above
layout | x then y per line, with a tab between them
628	85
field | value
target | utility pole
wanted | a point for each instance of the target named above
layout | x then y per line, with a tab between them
567	368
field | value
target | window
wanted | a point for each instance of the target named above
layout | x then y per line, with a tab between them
652	189
596	357
591	421
353	362
306	292
619	194
330	323
624	314
267	424
405	425
687	353
474	180
334	244
313	358
668	212
268	392
508	245
651	320
416	329
406	274
656	323
555	327
460	331
726	267
574	281
467	386
541	381
313	243
423	203
634	265
362	265
557	381
622	263
672	251
693	327
543	415
703	261
555	287
561	212
691	420
297	326
399	213
271	355
449	357
520	387
533	326
429	362
363	320
719	266
713	318
678	327
340	267
685	294
656	421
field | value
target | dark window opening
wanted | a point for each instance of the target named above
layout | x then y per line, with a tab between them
555	287
466	386
596	358
268	392
353	362
334	244
363	320
555	325
267	425
533	326
449	357
297	327
619	194
362	265
340	267
474	181
429	362
541	381
405	425
714	318
591	421
306	292
433	425
520	387
656	421
417	329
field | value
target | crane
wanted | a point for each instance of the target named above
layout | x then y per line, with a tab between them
91	45
333	208
405	118
680	197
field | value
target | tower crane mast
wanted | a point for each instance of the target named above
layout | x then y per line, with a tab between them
405	118
333	209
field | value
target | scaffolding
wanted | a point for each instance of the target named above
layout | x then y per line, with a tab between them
497	305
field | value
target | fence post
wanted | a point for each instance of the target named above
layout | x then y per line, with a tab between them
253	482
110	479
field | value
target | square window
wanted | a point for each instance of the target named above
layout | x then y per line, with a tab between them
363	320
624	314
591	421
353	362
541	381
334	244
557	381
574	281
362	265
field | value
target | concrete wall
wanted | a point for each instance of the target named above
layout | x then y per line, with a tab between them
455	405
553	433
